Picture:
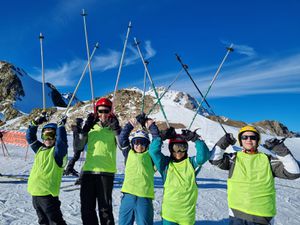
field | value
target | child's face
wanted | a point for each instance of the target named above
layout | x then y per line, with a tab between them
178	155
48	137
103	113
140	145
179	150
139	148
249	140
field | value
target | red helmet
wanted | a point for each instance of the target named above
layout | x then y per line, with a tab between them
103	102
178	139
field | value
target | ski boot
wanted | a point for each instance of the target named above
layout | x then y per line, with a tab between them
71	172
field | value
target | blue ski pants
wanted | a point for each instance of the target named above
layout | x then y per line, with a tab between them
135	208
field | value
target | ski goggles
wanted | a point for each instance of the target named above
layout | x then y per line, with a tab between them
142	142
48	136
252	137
103	111
179	147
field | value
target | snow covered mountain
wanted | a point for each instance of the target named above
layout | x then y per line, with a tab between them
20	93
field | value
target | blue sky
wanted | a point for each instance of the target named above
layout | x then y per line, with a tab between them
260	79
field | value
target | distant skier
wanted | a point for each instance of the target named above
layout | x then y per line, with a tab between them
179	173
47	170
138	186
99	132
77	147
250	185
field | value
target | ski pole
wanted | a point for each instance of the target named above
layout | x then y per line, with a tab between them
41	37
121	64
167	89
151	81
144	89
230	49
84	14
82	75
185	67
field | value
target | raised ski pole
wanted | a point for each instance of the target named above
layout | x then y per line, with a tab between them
41	37
163	94
82	75
185	67
121	64
151	81
84	14
229	49
144	89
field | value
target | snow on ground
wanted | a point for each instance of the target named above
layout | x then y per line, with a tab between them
16	207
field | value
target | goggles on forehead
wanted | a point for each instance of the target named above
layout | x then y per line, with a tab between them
48	136
142	142
179	147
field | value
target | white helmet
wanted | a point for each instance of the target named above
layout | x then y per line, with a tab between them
140	134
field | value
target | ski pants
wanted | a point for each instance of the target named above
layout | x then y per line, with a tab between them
238	221
135	208
96	188
75	158
48	210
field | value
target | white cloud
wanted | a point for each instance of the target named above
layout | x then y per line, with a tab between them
68	73
267	76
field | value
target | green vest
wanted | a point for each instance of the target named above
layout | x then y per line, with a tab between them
251	187
180	193
139	175
45	176
101	150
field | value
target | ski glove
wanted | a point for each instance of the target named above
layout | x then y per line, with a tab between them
40	119
142	118
62	120
226	140
113	123
168	134
276	146
89	123
190	135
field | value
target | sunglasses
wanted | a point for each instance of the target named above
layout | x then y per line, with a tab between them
141	142
48	136
103	111
252	137
179	148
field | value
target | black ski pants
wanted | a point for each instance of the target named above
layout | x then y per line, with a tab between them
96	188
75	158
48	210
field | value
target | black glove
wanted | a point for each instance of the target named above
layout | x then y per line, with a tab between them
89	123
226	140
113	123
277	146
62	120
190	135
168	134
40	119
142	118
79	122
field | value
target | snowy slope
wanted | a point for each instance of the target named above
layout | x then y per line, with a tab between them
33	95
16	207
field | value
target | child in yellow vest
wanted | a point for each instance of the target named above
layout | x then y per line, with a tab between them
138	185
47	170
250	186
179	173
